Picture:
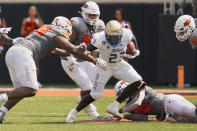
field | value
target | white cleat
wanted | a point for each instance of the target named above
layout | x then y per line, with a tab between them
113	109
71	116
2	115
91	110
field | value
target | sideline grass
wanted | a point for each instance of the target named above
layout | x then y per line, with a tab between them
42	114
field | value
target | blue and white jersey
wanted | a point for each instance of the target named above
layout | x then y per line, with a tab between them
111	55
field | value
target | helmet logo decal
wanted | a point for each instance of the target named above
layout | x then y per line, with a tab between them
187	22
85	6
122	82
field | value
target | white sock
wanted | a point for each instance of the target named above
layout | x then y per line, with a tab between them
4	109
4	97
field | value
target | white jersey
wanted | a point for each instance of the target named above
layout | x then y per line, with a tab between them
111	55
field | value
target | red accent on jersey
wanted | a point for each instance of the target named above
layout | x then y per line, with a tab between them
193	41
187	22
86	39
49	52
143	109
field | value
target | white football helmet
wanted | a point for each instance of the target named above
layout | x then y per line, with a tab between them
90	7
184	27
113	32
99	26
120	86
64	23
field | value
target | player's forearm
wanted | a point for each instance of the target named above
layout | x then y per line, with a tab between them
59	52
5	39
84	55
76	51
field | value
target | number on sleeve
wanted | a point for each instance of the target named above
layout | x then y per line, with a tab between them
42	30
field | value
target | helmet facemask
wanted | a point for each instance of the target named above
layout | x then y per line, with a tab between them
183	34
113	33
89	8
113	39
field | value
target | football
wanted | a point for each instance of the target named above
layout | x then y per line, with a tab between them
130	48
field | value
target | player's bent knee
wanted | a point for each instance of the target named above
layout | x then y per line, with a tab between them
96	95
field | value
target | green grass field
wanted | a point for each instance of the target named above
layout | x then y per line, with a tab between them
42	113
49	113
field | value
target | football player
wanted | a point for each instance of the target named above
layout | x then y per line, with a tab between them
112	44
147	102
83	72
21	56
185	28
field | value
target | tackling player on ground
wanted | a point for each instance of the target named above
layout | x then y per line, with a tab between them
147	102
21	56
83	72
112	44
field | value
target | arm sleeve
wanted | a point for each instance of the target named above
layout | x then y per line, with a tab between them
75	23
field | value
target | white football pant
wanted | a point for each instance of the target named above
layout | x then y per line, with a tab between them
122	71
82	74
21	66
179	108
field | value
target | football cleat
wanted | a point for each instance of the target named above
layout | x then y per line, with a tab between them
2	115
91	110
113	109
71	116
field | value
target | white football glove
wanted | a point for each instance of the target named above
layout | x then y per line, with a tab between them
136	53
102	64
83	45
5	30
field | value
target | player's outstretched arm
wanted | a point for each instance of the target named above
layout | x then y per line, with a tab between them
58	52
76	51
